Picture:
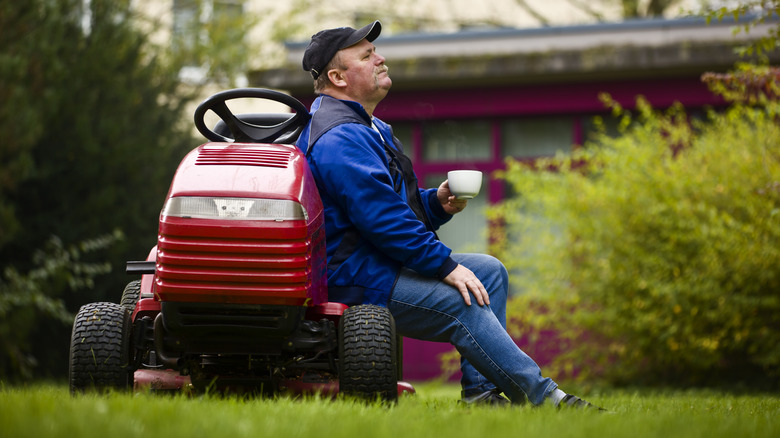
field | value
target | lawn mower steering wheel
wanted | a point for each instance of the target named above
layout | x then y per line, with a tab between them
243	131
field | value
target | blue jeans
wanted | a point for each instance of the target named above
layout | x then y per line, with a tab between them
428	309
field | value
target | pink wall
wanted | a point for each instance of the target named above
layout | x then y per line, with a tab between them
422	359
541	99
538	99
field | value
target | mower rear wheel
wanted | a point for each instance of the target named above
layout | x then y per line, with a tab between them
131	295
100	348
367	353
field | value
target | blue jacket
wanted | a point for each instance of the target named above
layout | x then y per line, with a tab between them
367	185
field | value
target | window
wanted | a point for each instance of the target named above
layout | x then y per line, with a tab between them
209	34
454	140
186	25
404	133
596	124
445	145
467	231
531	138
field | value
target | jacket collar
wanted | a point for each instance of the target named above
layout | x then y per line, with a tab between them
329	112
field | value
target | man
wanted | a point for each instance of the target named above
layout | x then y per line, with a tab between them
380	229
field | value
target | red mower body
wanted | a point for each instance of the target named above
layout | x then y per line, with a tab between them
248	261
234	294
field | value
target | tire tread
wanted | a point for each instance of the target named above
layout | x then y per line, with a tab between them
368	353
100	348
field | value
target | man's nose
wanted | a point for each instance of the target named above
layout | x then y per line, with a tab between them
379	58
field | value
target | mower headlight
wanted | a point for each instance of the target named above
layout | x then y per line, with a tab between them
234	208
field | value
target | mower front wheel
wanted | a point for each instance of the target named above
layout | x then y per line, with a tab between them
100	352
368	353
131	295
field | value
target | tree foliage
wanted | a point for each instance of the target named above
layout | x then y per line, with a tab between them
90	133
26	299
629	8
748	14
654	256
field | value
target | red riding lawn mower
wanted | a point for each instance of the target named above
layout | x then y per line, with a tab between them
233	298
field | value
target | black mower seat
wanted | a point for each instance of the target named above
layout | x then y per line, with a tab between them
264	120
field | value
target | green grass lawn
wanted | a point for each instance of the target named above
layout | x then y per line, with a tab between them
50	411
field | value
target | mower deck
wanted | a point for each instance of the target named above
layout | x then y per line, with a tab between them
170	380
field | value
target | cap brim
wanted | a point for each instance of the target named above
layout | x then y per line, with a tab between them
368	32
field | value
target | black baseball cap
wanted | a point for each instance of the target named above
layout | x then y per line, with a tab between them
325	43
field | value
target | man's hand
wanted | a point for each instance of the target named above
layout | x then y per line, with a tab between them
449	202
465	281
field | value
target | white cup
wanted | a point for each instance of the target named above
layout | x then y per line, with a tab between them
464	184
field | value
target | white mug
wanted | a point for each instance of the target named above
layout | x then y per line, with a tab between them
464	184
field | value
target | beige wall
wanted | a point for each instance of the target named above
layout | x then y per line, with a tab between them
432	15
440	16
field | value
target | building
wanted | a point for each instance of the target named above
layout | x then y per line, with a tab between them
472	98
224	38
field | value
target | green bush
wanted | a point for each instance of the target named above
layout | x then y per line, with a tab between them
654	257
32	299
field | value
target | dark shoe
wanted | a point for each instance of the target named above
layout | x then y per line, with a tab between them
571	401
492	398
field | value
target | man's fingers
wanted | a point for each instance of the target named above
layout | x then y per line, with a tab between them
483	291
474	287
478	290
467	284
464	291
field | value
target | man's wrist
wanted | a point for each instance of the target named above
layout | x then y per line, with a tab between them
448	266
437	207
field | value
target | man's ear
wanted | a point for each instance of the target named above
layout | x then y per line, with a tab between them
337	78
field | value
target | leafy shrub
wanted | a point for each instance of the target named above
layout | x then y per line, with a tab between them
29	299
654	257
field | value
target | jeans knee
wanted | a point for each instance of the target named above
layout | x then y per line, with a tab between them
487	268
497	268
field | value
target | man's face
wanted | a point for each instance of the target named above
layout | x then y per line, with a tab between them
366	72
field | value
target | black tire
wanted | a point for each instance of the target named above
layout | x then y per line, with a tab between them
131	295
367	354
100	348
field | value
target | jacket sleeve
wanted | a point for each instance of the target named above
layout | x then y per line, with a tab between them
433	208
351	161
